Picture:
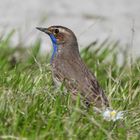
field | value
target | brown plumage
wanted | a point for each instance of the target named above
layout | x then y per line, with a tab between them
68	67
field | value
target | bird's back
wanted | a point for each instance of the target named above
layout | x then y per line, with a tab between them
78	78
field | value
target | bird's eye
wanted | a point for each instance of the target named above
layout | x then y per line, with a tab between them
56	31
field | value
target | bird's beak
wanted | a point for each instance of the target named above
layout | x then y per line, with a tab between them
45	30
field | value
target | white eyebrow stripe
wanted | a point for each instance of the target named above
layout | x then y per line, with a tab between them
64	31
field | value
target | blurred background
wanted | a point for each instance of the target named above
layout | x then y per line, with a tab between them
91	20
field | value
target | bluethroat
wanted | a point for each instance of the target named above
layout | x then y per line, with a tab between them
68	67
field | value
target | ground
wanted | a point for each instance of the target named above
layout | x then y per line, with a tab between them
31	107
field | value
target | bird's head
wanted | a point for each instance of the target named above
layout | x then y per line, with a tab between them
59	34
64	41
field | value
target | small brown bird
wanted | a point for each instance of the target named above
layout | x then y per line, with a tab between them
68	67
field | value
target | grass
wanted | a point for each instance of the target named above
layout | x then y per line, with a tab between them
31	107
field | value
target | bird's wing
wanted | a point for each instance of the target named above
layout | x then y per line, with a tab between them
78	78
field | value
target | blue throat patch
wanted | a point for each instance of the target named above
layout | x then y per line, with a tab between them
55	47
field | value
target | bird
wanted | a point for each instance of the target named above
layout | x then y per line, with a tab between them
69	68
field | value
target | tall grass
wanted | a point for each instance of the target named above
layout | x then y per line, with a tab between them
31	107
